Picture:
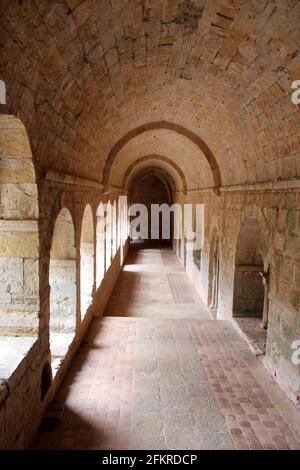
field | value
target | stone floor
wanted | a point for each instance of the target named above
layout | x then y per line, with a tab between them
158	373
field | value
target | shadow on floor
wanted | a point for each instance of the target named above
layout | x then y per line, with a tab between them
71	431
80	424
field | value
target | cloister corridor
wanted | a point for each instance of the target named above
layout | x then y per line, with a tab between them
156	372
149	225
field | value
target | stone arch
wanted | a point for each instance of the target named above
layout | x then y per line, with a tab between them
62	278
86	260
169	126
19	237
214	270
167	165
163	177
152	186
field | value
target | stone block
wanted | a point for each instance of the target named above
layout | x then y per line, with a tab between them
11	275
16	170
13	141
18	201
31	279
19	244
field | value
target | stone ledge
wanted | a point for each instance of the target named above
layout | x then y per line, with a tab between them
281	185
56	177
13	350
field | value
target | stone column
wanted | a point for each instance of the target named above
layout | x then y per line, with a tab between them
265	281
214	287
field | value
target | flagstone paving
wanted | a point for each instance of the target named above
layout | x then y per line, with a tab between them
158	373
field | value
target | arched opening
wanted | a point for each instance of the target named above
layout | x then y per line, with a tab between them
19	239
160	164
119	225
19	246
152	189
250	298
163	125
108	235
101	244
114	229
86	260
213	275
62	278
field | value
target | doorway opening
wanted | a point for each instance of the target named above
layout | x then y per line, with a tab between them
150	189
251	286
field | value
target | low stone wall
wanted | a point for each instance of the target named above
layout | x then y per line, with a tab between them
21	407
28	305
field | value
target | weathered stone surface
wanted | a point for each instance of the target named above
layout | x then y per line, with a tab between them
197	95
19	244
11	272
225	400
16	170
18	201
14	140
31	279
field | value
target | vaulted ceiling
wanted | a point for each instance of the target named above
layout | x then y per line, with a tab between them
83	74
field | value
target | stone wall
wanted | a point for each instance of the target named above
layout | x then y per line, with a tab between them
276	206
248	294
29	307
19	238
102	88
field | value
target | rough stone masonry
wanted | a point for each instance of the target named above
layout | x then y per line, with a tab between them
188	100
